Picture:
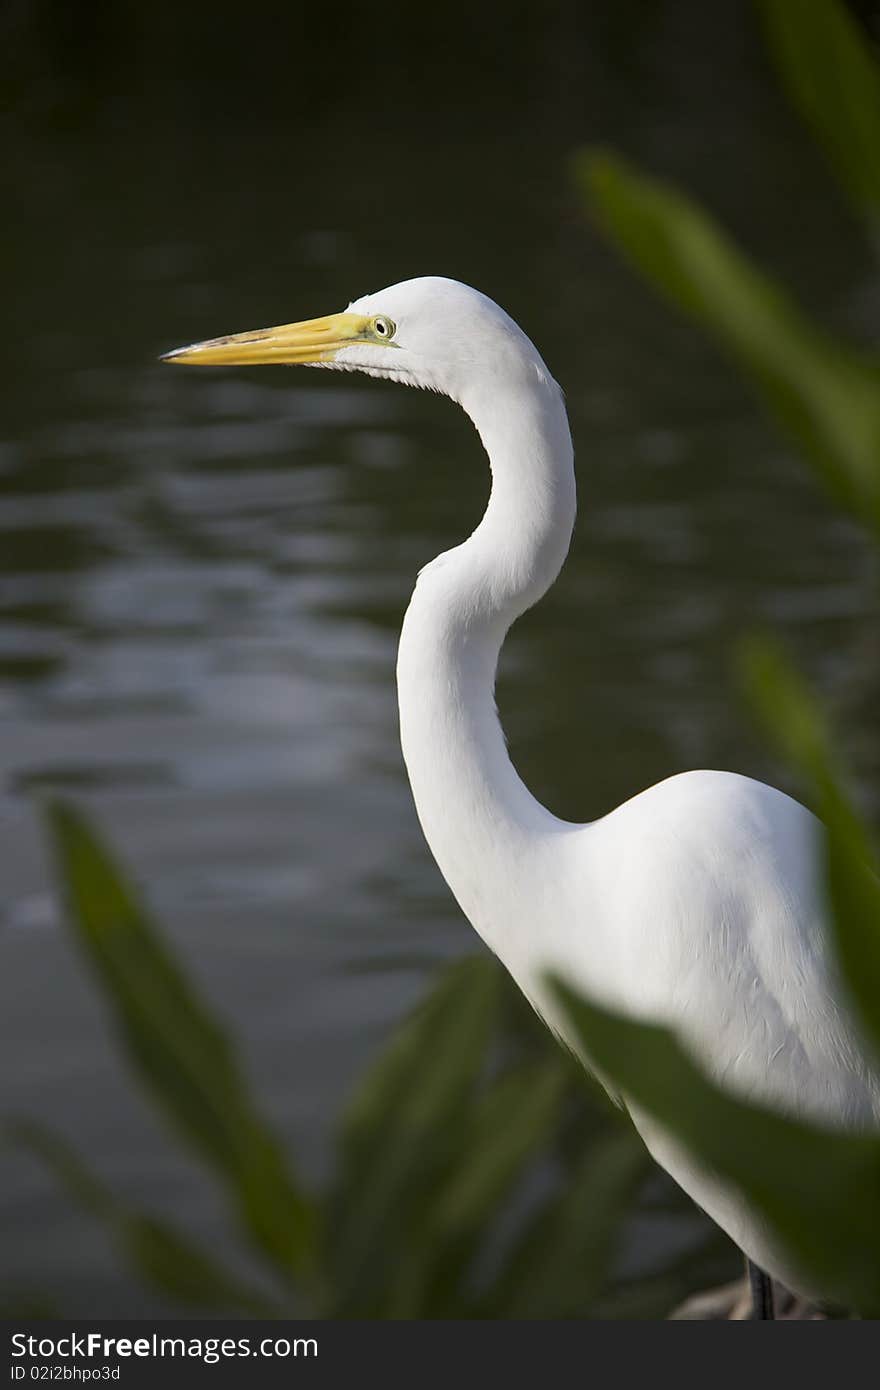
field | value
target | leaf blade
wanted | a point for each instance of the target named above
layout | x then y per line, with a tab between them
160	1254
562	1260
825	395
177	1047
400	1131
797	726
819	1189
833	80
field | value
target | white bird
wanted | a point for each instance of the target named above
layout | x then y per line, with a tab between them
699	903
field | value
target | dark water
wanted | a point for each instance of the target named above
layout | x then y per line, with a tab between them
202	575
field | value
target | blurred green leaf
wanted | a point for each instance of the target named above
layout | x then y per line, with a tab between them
826	395
441	1130
506	1126
165	1259
795	722
402	1129
833	79
564	1257
819	1189
178	1048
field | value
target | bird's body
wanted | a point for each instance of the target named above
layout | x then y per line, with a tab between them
699	902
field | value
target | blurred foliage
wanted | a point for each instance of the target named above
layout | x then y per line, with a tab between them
818	1188
179	1050
160	1254
471	1178
834	81
824	392
795	721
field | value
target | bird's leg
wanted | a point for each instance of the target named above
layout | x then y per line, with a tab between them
761	1286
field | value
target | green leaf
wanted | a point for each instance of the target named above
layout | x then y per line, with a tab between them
563	1260
178	1048
164	1258
826	395
401	1131
833	79
818	1189
796	724
509	1123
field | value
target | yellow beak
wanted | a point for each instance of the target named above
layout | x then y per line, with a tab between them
313	340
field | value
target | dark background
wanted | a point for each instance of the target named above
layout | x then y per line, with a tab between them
202	575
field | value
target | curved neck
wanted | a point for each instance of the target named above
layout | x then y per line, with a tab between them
476	813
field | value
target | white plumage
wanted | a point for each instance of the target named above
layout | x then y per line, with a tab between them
698	903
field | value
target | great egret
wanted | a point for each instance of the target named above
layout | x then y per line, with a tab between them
698	903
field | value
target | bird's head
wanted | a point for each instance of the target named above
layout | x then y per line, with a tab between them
431	332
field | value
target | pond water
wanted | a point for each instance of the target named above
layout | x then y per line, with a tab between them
202	574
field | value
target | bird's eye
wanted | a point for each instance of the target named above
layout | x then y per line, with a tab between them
382	327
